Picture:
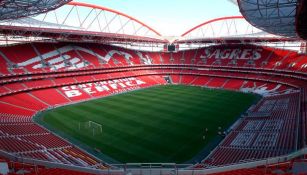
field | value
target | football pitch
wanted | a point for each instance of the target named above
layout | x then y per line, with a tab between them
159	124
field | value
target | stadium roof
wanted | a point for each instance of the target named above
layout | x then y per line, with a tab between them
12	9
82	22
281	17
230	29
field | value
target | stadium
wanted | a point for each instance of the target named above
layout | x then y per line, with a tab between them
87	89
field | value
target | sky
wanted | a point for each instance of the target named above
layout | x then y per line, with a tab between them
171	17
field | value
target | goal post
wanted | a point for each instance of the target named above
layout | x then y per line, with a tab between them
94	127
94	124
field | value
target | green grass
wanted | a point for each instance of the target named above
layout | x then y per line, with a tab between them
158	124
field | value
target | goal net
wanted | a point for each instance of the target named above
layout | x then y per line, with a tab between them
93	127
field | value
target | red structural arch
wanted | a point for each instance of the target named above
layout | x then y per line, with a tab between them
211	21
81	4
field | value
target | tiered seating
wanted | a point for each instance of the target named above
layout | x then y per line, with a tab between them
83	78
188	57
4	90
166	58
64	80
188	79
38	83
90	56
267	130
259	137
13	129
264	88
15	110
16	168
176	58
57	97
175	79
40	144
11	144
234	84
275	169
202	81
4	68
47	140
100	52
24	100
76	153
12	118
16	57
217	82
299	64
29	140
155	57
100	76
103	88
15	86
48	57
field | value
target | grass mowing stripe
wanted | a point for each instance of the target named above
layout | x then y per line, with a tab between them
146	122
129	120
157	124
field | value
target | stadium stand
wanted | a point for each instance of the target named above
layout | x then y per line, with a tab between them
74	56
72	73
261	136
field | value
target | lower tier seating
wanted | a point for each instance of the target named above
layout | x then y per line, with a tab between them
266	130
21	137
259	135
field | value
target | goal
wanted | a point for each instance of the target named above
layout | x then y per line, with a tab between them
91	126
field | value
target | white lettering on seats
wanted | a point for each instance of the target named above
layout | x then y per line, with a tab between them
244	54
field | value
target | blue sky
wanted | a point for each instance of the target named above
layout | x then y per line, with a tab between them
171	17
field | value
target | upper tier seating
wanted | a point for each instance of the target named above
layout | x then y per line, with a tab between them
51	57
